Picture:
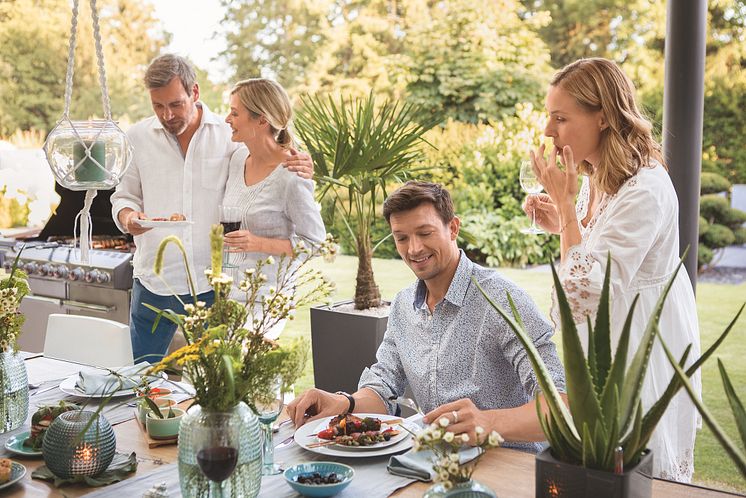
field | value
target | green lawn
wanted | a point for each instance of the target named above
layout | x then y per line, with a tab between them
716	304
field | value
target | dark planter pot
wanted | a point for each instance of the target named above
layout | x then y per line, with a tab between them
555	479
343	344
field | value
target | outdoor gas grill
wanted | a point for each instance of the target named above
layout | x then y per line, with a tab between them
60	283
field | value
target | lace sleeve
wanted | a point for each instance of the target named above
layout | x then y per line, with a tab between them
582	277
622	230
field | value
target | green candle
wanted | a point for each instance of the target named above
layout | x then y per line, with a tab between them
88	170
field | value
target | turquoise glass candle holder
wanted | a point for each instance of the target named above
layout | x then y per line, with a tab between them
68	452
89	157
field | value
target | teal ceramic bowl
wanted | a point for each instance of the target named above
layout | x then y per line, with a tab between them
164	428
344	472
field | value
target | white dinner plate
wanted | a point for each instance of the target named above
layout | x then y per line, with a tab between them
67	386
402	442
163	224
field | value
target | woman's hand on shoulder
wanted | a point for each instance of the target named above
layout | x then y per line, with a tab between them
241	241
547	216
300	163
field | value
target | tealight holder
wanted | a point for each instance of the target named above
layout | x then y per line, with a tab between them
86	155
68	452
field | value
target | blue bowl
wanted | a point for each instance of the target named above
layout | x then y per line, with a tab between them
344	472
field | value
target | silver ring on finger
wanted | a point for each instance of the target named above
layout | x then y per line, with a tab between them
455	416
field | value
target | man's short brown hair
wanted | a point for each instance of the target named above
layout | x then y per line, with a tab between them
412	194
165	68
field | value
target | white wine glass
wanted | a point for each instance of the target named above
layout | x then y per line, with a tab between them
268	406
530	184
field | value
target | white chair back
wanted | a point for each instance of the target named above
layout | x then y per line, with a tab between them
89	340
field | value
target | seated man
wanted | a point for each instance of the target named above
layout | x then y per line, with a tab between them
444	340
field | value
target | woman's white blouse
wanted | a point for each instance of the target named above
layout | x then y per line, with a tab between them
638	227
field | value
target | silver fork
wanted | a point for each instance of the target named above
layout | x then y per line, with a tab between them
285	442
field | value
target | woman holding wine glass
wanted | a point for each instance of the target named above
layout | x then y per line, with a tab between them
626	207
277	207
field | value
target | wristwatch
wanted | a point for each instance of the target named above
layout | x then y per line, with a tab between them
349	397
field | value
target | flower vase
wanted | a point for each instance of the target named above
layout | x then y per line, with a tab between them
468	489
246	479
13	391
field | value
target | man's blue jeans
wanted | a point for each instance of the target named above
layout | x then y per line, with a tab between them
148	344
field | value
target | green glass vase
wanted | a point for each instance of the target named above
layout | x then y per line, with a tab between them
246	479
469	489
13	391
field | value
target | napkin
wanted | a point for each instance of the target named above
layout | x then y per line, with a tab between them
105	382
418	464
118	469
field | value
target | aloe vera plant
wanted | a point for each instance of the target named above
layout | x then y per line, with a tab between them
739	413
604	409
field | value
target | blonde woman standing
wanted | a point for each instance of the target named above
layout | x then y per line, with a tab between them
277	206
627	207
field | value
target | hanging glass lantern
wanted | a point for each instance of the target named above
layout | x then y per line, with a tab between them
86	155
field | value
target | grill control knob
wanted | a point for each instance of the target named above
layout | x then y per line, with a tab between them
76	274
90	275
30	268
61	271
46	269
102	277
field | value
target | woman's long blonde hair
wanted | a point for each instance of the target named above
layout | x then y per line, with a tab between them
264	97
627	144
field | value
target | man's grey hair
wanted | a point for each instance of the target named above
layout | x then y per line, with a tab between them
165	67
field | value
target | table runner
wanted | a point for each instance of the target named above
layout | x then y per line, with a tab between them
372	480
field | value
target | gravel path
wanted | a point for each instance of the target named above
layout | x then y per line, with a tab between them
723	275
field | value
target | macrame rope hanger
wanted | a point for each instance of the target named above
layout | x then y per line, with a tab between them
84	216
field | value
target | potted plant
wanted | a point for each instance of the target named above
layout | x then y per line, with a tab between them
358	148
13	376
738	455
597	443
231	363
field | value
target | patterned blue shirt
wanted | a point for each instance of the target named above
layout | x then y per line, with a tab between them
464	349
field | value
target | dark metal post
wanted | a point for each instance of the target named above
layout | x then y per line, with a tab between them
686	26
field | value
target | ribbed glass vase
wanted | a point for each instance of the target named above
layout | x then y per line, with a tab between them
70	452
14	391
246	479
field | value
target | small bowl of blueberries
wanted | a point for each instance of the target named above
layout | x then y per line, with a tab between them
319	479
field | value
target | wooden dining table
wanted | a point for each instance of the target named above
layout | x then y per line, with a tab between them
509	473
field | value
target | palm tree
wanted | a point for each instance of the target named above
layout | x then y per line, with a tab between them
358	149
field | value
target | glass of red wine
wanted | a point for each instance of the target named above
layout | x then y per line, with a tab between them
230	218
217	453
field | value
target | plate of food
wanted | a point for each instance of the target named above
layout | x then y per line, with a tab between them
10	472
22	444
356	435
175	220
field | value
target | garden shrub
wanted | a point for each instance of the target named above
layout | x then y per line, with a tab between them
712	183
713	207
718	236
480	164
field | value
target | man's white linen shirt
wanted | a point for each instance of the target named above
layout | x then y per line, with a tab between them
162	181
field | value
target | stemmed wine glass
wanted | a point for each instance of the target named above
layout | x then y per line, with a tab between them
530	184
230	218
268	407
217	443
